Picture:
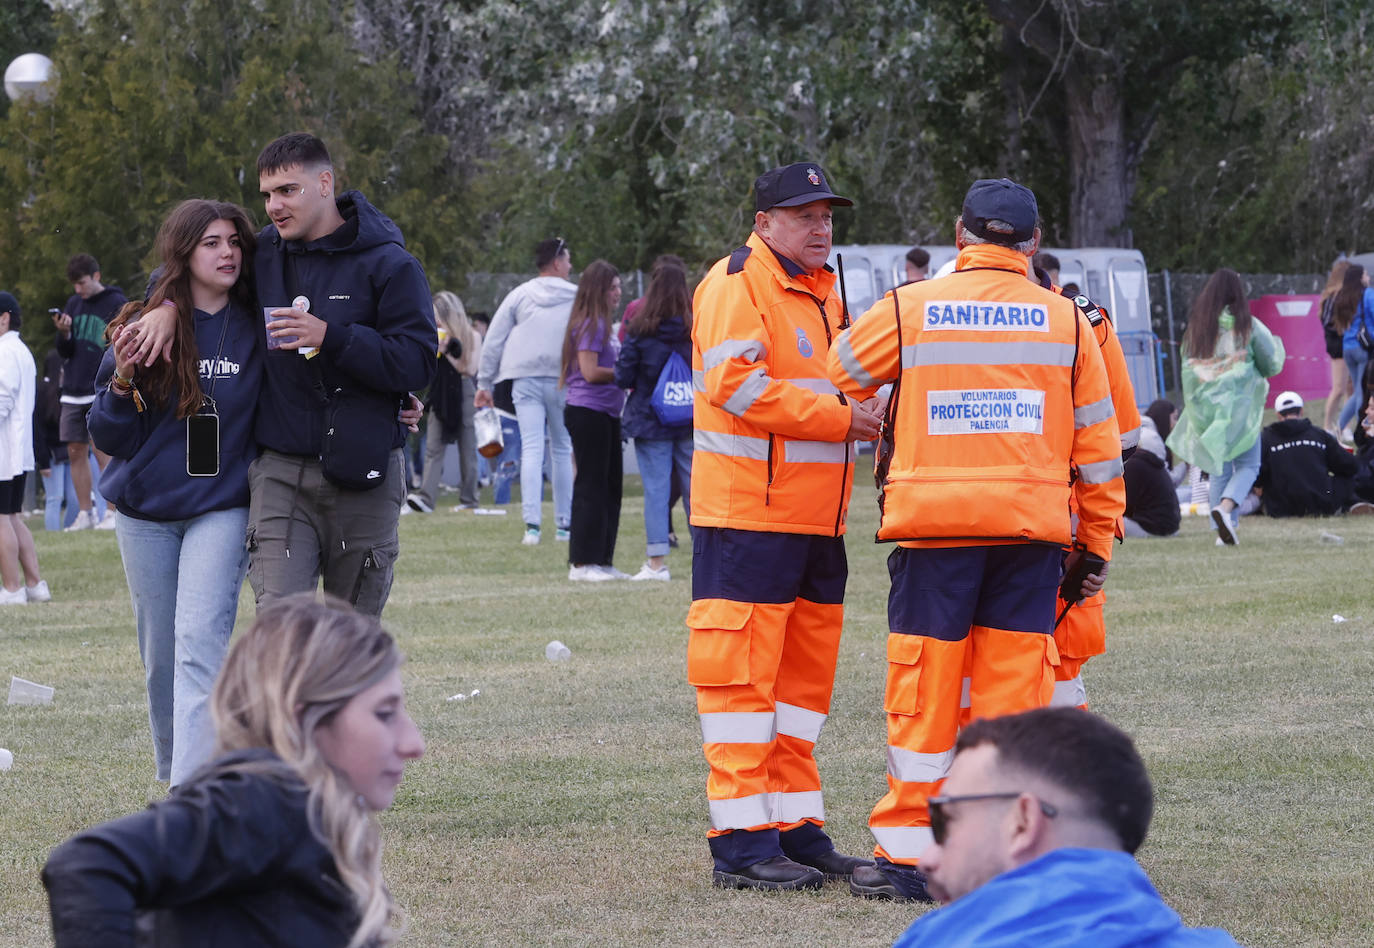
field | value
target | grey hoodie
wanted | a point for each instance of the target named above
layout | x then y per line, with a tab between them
526	334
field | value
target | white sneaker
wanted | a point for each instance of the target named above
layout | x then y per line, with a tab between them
38	592
106	523
1226	526
648	572
416	502
531	537
15	598
588	574
83	521
613	573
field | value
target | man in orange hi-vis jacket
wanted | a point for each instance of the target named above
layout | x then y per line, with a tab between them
771	476
1001	410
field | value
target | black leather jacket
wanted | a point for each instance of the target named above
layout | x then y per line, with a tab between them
227	859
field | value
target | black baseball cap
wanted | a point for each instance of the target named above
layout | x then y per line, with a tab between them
791	185
1000	199
8	304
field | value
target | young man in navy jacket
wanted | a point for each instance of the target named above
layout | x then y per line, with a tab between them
367	311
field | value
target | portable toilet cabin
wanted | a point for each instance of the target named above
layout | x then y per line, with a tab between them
1115	277
872	270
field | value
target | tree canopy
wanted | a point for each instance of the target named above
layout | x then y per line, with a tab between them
1205	133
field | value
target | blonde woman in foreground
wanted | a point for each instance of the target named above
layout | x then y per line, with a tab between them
274	842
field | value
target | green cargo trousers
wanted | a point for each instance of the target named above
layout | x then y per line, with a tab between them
301	528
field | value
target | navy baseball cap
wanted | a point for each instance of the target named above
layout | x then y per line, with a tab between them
1000	199
791	185
8	304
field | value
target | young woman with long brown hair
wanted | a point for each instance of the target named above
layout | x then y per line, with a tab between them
1353	311
275	841
663	326
180	437
593	419
1227	357
1340	375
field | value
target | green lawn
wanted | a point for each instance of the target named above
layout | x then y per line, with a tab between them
564	805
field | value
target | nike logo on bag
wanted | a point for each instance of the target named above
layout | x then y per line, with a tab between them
373	475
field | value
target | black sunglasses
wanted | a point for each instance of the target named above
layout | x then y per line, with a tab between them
939	821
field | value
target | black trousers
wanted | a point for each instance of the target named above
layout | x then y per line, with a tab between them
597	486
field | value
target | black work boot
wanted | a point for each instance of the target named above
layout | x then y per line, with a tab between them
776	873
836	865
886	880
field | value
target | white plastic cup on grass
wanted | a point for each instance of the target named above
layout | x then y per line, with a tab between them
6	759
23	691
556	651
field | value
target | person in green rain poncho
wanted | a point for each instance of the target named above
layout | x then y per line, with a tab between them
1228	355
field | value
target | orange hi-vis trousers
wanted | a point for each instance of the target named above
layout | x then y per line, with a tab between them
986	609
763	670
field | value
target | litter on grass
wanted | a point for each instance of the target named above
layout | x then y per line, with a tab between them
1338	618
460	696
23	691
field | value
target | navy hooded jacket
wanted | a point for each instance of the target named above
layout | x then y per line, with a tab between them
85	345
380	338
641	361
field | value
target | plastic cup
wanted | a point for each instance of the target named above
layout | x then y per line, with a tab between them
556	651
6	759
23	691
274	342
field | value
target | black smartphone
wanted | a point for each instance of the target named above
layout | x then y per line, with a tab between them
202	445
1075	571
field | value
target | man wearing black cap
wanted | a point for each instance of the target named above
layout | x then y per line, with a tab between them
771	477
1001	411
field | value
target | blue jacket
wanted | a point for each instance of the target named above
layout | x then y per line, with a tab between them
374	296
640	362
1363	316
1069	898
146	476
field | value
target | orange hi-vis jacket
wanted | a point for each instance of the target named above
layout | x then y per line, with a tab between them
770	449
1118	376
1002	413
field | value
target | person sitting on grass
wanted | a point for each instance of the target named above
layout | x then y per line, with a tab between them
1035	830
274	842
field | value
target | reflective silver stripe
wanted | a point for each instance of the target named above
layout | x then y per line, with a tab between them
735	446
1129	439
1069	694
965	699
914	767
738	727
748	392
819	386
698	380
743	812
1056	354
850	363
903	842
814	452
801	805
1086	415
751	350
799	722
1100	472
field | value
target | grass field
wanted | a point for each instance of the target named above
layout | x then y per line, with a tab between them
564	804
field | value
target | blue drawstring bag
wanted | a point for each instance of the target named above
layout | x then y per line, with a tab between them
672	397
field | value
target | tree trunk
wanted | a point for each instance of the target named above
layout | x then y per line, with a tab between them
1098	195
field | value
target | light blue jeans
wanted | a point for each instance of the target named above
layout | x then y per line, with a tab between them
539	404
1355	360
184	578
659	461
57	487
1237	476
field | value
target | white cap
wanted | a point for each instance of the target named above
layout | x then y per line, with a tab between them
1287	401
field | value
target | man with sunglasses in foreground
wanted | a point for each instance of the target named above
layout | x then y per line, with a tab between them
1034	833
